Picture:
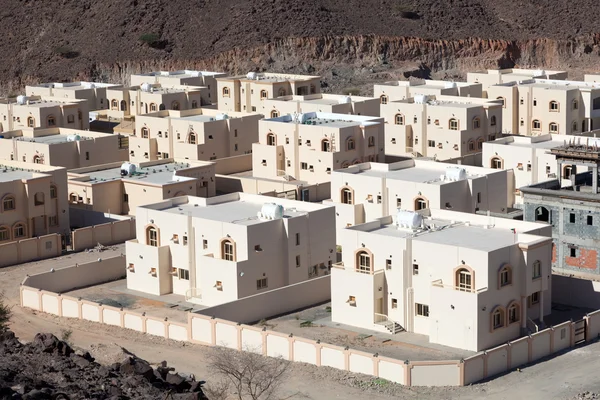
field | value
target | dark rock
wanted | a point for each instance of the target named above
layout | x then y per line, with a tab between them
80	361
48	343
38	395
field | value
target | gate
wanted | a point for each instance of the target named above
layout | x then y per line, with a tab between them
579	328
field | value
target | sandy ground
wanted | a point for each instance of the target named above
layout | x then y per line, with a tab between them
561	377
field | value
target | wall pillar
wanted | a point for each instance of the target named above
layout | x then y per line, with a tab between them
485	364
407	374
79	308
529	349
542	307
523	312
346	360
41	301
552	340
291	341
239	337
264	342
318	348
100	313
122	318
461	373
376	365
213	332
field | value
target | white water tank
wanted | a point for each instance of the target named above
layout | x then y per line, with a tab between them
88	85
73	138
220	117
420	99
450	85
146	87
271	211
127	169
408	219
455	174
539	72
252	76
22	100
344	100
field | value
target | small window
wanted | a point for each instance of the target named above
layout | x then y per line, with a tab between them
398	202
535	298
183	274
261	284
297	239
352	301
219	285
590	220
388	264
399	119
53	220
131	268
297	261
534	102
505	276
371	141
39	199
547	169
572	252
572	218
87	155
431	143
537	269
415	269
453	124
421	310
185	240
205	244
70	119
303	165
378	199
383	99
536	125
125	198
4	234
257	248
175	238
479	197
553	106
394	303
53	192
498	319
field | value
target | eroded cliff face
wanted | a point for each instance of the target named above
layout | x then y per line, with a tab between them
323	54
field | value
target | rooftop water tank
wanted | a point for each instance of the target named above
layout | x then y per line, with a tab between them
88	85
539	72
22	99
146	87
408	219
344	100
420	99
252	75
220	117
271	211
456	174
127	169
73	138
450	85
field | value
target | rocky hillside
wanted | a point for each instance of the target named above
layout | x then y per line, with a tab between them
86	39
48	368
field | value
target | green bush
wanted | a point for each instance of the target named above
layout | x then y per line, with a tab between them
5	314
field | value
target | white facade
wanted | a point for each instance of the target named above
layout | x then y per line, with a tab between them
365	192
466	281
498	76
402	90
321	102
93	92
224	248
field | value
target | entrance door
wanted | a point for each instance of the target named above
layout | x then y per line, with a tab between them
379	306
304	195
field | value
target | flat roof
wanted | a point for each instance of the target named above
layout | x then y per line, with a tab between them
9	174
76	85
167	90
180	74
273	77
196	118
50	139
160	174
330	119
535	143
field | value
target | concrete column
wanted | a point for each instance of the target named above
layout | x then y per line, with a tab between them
595	179
542	306
523	312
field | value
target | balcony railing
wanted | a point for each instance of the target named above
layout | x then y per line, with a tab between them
440	283
193	293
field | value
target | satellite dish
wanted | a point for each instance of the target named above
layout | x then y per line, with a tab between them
241	274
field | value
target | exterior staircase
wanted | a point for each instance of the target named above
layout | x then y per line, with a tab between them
392	326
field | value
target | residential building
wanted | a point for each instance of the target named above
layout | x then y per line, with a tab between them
309	146
119	188
62	147
245	93
530	158
152	97
499	76
466	281
365	192
594	78
93	92
571	206
540	106
216	250
402	90
321	102
43	112
200	134
34	201
187	77
440	127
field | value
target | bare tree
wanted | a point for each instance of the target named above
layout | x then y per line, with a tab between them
247	374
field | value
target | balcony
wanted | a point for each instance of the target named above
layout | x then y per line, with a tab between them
440	284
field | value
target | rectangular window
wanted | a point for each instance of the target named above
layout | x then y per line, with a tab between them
398	202
573	252
219	285
125	198
572	218
415	269
303	165
394	303
388	264
131	268
547	169
537	270
590	220
297	261
431	143
183	274
235	147
297	239
205	244
87	155
287	140
352	301
235	133
261	284
421	310
185	240
53	193
175	238
379	199
535	298
479	197
53	220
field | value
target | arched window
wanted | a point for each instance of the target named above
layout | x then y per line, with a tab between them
194	104
553	127
193	138
421	203
575	104
350	145
476	123
38	198
471	145
123	106
152	106
542	214
8	203
503	101
568	171
479	143
263	94
371	141
505	276
345	164
383	99
19	230
271	139
175	105
497	318
464	279
574	126
51	120
364	262
4	233
325	145
74	198
493	120
274	114
228	250
30	122
152	236
496	163
281	92
53	192
453	124
114	104
37	159
514	312
399	119
347	195
553	107
145	132
356	162
79	115
536	125
225	91
161	107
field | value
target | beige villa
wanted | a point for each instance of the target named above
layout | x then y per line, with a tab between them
200	134
245	93
119	188
440	127
402	90
33	201
466	281
216	250
43	112
365	192
499	76
62	147
321	102
93	92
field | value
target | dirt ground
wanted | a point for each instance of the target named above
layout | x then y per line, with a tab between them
562	377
